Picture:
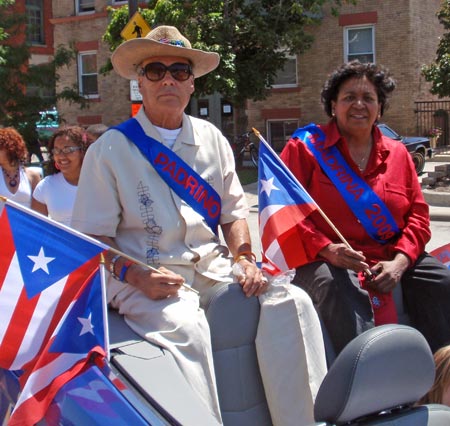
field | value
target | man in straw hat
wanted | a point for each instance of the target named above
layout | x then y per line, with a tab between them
165	182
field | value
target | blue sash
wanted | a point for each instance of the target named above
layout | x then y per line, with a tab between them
371	211
180	177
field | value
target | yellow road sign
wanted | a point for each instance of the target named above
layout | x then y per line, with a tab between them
136	27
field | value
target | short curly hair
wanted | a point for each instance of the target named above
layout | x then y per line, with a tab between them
76	134
378	76
12	142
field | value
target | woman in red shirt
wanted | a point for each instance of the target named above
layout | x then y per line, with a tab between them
366	184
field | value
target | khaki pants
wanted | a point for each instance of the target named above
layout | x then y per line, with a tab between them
179	325
289	345
291	354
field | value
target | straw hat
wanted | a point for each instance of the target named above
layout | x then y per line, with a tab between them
161	41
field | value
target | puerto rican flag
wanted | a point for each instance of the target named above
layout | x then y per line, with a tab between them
283	203
51	304
443	254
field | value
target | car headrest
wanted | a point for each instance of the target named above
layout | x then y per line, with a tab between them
385	367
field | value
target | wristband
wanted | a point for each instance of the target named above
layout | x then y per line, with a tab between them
247	255
243	257
112	266
124	270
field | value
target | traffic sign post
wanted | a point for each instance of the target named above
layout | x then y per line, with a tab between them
132	7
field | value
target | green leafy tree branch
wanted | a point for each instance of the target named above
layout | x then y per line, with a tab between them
438	73
254	38
22	84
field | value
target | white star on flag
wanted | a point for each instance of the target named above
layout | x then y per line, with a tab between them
41	261
268	186
87	325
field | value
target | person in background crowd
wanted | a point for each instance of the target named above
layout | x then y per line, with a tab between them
55	195
96	130
164	182
440	391
16	181
367	186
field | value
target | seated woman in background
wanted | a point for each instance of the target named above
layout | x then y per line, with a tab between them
367	186
55	194
16	181
440	391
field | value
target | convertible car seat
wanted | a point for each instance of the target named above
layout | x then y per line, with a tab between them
154	373
233	320
376	380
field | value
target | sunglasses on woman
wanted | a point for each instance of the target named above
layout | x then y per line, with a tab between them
155	71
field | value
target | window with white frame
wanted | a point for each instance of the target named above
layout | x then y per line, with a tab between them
279	132
85	6
35	27
359	43
287	77
87	74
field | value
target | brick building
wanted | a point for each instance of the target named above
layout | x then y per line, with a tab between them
39	31
81	24
402	35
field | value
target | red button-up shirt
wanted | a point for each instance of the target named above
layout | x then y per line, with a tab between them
390	173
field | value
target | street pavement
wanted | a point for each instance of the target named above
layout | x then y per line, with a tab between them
440	215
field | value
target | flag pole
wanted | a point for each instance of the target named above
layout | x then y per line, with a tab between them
368	272
104	306
138	262
87	238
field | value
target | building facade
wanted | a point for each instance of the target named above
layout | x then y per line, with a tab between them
401	35
81	24
40	31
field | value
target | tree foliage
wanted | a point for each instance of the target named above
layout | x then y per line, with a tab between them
438	73
21	84
254	38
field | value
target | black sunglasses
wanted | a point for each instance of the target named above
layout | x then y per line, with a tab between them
155	71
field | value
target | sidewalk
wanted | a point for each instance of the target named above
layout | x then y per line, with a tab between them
439	202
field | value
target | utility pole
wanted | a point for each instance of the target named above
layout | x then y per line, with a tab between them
132	7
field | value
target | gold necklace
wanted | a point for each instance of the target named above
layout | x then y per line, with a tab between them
12	180
360	163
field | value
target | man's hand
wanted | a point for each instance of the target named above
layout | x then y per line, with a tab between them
251	279
155	285
343	257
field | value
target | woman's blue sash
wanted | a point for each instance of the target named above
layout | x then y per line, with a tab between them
371	211
180	177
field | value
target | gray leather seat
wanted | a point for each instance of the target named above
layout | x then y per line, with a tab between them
377	378
154	372
233	320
